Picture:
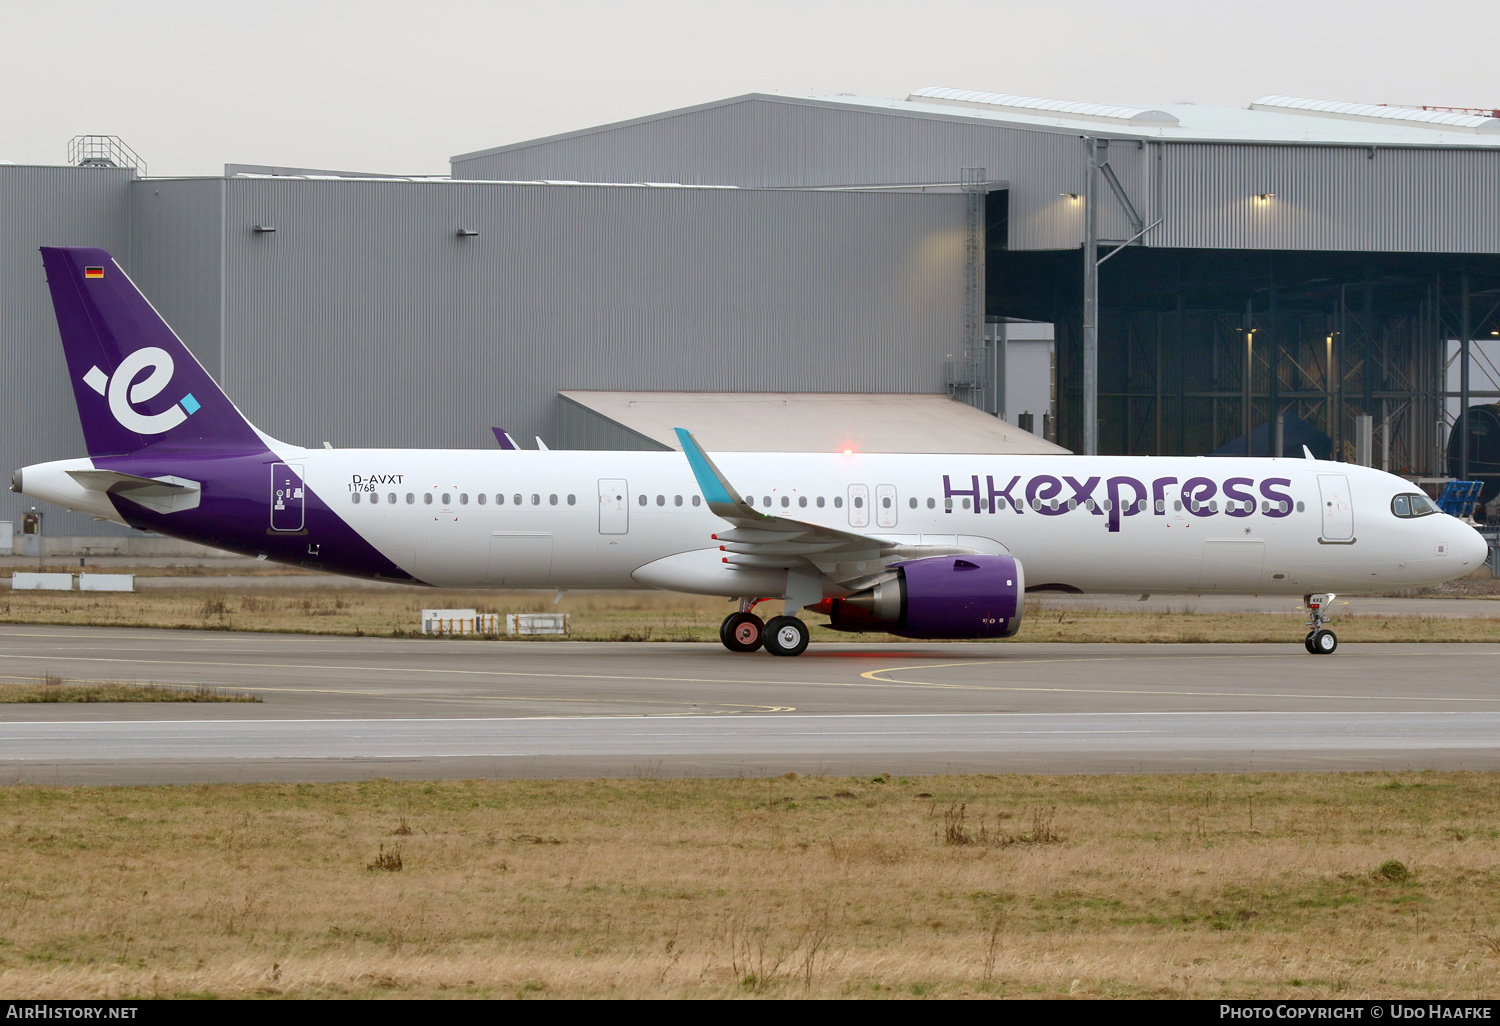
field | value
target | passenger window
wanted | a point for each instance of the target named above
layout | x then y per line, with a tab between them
885	502
1300	507
516	498
802	501
482	498
785	501
355	497
552	500
572	500
661	500
697	499
766	502
838	502
1161	505
931	503
912	502
536	500
374	498
447	499
463	498
820	502
966	503
859	502
677	500
427	498
410	498
750	500
641	501
499	499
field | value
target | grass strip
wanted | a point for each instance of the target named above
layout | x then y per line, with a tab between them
1359	885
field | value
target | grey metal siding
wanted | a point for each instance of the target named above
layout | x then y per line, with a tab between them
177	258
1331	197
365	321
47	206
765	141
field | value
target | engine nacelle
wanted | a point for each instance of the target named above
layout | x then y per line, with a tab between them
973	596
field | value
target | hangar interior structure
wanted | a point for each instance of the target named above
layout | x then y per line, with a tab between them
1205	269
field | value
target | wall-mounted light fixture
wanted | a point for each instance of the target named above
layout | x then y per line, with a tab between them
466	233
263	229
1265	196
1069	195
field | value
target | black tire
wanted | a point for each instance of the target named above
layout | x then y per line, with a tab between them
1307	643
1324	643
742	632
786	636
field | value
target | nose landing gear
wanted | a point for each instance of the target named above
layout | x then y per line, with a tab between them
1319	641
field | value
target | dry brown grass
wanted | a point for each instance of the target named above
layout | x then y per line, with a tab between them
17	688
1191	886
659	616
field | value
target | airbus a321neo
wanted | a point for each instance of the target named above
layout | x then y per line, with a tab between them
921	546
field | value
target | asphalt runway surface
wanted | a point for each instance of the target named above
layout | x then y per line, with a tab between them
354	708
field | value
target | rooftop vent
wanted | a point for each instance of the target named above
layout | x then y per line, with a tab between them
1413	116
1038	106
103	151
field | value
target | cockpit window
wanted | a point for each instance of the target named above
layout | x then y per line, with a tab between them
1412	504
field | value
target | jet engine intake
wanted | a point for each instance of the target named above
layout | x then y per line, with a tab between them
971	596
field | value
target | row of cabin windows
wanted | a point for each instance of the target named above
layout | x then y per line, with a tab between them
463	499
1140	505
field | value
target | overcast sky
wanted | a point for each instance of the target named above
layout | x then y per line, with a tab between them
401	87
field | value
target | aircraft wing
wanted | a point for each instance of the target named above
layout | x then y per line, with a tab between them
764	541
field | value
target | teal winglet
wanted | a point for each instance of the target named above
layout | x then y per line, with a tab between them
716	490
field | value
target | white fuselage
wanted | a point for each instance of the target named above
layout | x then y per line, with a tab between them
595	519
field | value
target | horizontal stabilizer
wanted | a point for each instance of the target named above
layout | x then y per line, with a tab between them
162	494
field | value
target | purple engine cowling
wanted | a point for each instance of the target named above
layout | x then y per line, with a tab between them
975	596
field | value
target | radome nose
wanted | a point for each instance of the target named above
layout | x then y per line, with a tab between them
1470	545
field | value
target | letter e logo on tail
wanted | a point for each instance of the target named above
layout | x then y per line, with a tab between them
124	392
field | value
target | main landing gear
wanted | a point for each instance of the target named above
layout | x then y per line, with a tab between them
745	632
1319	641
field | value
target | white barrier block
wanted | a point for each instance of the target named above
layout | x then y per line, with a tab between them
106	582
41	582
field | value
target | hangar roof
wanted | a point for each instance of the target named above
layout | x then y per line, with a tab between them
1276	118
813	422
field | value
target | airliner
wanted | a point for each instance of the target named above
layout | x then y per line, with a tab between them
926	546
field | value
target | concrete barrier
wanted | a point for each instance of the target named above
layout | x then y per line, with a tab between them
41	582
106	582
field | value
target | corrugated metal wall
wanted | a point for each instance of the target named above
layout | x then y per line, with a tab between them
47	206
779	142
1331	198
364	320
1325	197
177	258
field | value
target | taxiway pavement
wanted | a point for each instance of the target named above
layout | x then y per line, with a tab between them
351	708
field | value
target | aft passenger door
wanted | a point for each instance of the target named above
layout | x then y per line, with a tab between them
287	497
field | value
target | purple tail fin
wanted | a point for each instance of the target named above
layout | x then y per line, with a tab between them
135	383
503	437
